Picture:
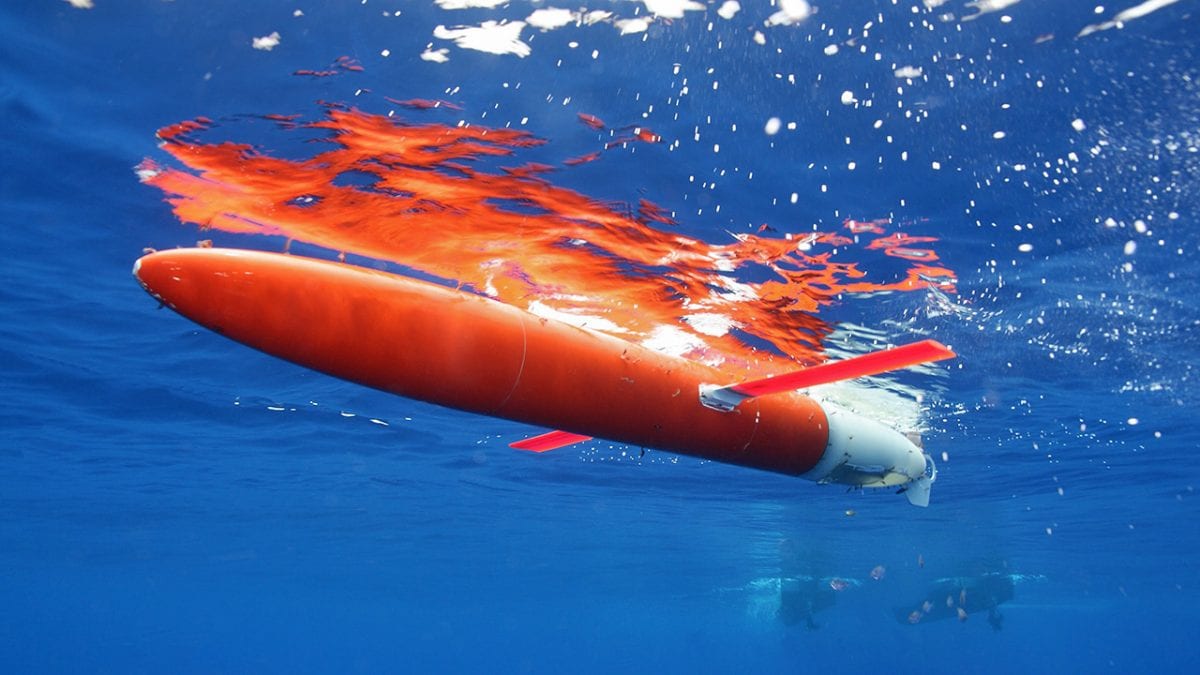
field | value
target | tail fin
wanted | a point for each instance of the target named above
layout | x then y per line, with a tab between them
551	440
727	398
918	490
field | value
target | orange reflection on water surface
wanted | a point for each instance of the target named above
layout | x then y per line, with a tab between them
421	195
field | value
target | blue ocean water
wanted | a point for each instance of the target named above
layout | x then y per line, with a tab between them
173	501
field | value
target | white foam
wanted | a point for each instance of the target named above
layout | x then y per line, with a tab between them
711	324
267	42
1126	16
538	308
671	9
630	26
436	55
673	341
493	37
470	4
791	12
987	7
550	18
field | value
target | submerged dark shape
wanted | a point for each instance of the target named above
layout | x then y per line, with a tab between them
959	597
800	598
804	587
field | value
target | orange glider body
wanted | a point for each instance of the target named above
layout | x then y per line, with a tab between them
432	343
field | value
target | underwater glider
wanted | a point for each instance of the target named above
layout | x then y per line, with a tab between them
459	350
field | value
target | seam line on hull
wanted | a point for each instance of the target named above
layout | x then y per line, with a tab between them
520	370
754	431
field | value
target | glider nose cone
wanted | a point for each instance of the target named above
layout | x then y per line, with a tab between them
188	280
163	275
144	269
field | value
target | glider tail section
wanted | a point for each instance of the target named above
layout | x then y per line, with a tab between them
726	398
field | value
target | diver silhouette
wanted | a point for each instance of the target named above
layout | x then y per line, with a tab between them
959	597
800	598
